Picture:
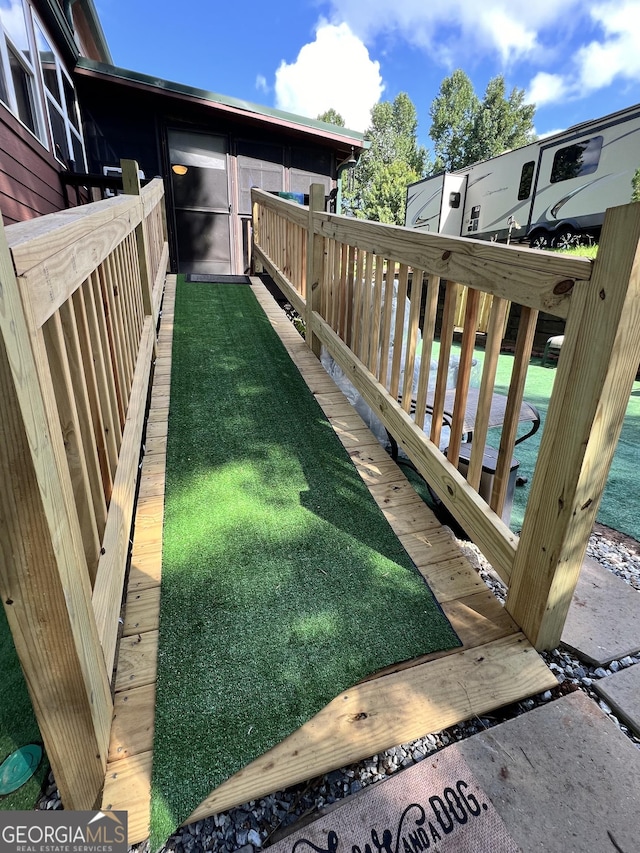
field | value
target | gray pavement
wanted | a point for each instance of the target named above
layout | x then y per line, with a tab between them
604	618
561	778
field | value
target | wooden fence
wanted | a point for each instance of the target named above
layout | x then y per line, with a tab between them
348	278
80	292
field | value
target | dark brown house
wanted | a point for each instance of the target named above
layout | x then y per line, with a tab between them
65	108
210	150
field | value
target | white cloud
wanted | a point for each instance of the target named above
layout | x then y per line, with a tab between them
460	29
335	71
511	37
577	47
596	65
261	83
618	54
549	132
546	88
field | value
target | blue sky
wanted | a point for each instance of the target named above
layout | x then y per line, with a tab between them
575	59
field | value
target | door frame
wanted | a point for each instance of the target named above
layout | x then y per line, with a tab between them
231	189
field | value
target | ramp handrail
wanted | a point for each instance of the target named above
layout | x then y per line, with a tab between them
351	280
79	297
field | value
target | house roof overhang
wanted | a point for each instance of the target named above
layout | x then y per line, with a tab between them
59	21
60	28
339	138
90	15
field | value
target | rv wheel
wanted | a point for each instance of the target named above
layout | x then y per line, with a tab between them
539	240
564	238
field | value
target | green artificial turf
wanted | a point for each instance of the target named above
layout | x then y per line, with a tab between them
620	505
18	725
282	583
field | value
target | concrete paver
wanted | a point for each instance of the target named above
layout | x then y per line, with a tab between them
561	778
604	618
621	691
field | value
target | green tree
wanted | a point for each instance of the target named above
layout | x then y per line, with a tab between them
331	116
501	122
635	186
387	197
453	115
465	130
378	185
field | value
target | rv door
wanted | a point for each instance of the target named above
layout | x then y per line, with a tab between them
453	197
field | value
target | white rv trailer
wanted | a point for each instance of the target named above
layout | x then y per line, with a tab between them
546	192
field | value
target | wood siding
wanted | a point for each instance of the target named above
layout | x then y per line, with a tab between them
29	174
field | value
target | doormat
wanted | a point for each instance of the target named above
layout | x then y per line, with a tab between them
201	278
436	806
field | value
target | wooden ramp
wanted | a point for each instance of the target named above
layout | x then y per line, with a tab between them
496	665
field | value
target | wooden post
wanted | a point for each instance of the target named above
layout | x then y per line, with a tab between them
256	267
44	584
596	369
131	186
315	266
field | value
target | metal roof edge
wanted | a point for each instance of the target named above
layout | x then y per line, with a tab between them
54	18
339	134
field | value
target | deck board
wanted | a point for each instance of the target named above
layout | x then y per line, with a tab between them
407	516
146	565
137	661
387	711
132	729
451	579
142	612
127	787
152	482
128	776
390	495
496	665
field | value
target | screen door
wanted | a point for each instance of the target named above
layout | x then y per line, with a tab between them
201	200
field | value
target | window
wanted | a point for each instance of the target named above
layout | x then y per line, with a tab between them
526	180
259	165
573	161
35	86
308	167
18	87
62	107
4	92
454	200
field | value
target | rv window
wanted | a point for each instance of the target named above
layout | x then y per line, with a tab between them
454	200
576	160
526	179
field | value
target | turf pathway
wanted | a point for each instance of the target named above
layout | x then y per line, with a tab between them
282	583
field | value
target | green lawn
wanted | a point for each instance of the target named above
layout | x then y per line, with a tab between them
18	725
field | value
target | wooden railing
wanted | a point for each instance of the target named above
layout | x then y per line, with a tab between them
347	277
79	299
